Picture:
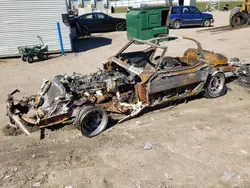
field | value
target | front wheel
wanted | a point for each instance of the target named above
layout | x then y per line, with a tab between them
30	59
91	120
24	58
206	23
120	27
216	86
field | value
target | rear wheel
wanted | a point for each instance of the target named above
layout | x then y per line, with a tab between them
216	86
91	120
237	18
176	24
24	58
120	27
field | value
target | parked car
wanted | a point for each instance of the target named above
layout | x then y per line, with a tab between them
97	22
188	16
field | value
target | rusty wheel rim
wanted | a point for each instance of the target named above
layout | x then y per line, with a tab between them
216	84
93	121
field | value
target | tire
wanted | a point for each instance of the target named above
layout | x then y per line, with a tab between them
206	23
40	56
216	86
248	19
24	58
91	120
77	115
237	18
176	24
120	27
85	29
45	56
30	59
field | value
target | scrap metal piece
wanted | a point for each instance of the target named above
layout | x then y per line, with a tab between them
42	133
137	108
53	120
10	112
45	86
16	119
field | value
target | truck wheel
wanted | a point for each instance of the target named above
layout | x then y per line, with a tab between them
177	24
206	23
91	120
237	18
216	86
30	59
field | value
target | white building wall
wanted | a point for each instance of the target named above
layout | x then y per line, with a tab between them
21	21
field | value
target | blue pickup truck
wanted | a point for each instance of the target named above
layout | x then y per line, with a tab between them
188	16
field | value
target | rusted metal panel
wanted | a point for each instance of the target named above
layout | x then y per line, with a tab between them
165	82
115	108
53	120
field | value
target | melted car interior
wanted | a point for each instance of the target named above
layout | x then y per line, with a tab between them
143	58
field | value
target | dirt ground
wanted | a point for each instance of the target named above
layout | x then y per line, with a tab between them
203	143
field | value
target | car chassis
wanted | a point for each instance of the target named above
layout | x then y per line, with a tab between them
127	84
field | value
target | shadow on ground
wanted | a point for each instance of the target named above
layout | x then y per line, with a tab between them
36	60
82	45
198	27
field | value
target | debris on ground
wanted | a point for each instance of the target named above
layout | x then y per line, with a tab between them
69	186
243	151
147	146
5	177
15	169
243	73
37	184
228	175
9	130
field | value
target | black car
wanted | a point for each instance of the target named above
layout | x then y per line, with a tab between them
97	22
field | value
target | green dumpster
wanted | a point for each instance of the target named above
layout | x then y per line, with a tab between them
146	23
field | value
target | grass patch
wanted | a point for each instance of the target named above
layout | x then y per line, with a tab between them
200	5
120	9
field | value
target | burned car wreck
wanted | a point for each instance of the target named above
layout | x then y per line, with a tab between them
128	83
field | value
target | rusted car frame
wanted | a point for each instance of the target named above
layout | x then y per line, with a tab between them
128	83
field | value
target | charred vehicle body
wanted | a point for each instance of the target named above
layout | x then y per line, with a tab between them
128	83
